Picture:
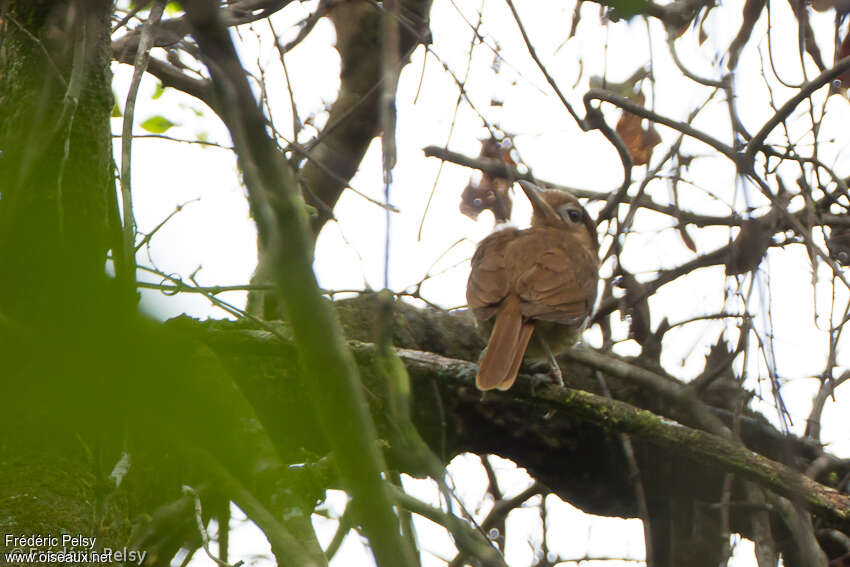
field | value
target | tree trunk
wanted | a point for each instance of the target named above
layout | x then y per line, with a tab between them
56	177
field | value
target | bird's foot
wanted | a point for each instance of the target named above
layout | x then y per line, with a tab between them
554	368
545	374
555	374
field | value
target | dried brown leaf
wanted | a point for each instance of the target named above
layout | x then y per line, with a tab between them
639	141
491	192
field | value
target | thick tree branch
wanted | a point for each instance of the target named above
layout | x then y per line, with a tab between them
169	32
699	445
353	119
540	426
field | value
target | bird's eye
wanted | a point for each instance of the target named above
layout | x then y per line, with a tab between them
574	215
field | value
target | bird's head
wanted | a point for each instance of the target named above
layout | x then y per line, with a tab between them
559	209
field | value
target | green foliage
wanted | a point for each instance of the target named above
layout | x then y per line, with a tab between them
157	124
158	91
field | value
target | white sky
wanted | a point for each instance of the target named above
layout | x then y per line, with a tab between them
216	234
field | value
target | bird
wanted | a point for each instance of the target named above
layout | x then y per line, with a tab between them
538	281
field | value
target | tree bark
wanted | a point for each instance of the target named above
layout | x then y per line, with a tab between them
563	442
56	178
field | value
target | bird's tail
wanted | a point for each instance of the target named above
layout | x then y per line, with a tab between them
508	341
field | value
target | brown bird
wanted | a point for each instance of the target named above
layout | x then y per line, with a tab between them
539	279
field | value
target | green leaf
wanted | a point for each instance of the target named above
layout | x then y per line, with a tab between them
158	91
116	110
173	8
157	124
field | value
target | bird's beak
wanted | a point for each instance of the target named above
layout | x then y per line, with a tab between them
538	203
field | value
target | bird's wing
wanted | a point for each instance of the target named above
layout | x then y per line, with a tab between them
488	280
557	281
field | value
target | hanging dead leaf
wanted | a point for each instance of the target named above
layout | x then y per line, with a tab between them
749	246
495	149
756	236
491	192
639	141
492	195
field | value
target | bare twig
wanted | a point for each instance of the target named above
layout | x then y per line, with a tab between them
202	529
468	539
756	143
126	266
827	389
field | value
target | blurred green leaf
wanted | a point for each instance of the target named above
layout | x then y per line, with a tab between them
158	92
173	9
116	110
157	124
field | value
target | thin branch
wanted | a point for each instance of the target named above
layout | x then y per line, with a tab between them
202	530
346	521
173	139
162	223
127	265
549	79
826	390
638	110
786	109
285	546
468	539
498	168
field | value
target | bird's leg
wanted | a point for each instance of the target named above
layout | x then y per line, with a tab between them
556	368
